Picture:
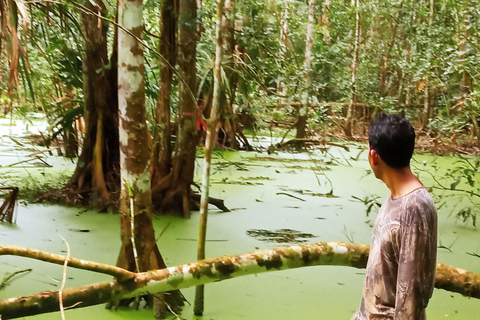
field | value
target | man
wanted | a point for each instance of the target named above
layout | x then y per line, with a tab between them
400	273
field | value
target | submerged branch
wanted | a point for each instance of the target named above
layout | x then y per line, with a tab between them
9	277
223	268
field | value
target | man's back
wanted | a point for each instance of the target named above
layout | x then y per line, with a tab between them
400	274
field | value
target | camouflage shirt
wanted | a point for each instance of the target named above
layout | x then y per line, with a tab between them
400	273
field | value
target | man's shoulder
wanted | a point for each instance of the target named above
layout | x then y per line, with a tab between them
420	197
419	205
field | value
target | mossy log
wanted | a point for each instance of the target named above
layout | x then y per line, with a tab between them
218	269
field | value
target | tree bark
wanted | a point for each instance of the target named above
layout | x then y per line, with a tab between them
119	273
282	18
175	188
139	250
462	37
325	20
10	33
209	144
96	174
162	150
353	93
230	126
302	111
428	94
386	56
223	268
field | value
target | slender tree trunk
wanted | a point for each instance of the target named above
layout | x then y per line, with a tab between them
162	150
227	95
284	41
302	111
10	30
465	89
177	196
428	101
325	20
386	56
353	94
139	250
214	270
209	144
172	191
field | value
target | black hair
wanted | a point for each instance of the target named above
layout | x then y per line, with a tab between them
393	137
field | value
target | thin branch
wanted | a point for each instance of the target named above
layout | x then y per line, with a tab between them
10	277
119	273
64	280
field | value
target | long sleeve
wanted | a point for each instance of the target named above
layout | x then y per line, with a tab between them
416	245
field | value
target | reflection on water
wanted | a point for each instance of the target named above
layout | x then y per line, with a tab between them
280	235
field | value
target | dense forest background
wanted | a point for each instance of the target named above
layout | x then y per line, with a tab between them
132	88
420	57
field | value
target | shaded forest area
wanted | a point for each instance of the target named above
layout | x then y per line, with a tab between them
310	67
131	89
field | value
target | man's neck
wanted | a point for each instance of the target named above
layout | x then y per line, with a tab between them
400	181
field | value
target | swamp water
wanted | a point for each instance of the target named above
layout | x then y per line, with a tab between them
275	200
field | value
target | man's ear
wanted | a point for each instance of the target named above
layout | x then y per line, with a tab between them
374	156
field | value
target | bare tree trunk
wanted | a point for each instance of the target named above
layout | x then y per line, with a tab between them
9	21
428	103
175	187
230	125
386	56
325	20
284	42
162	151
139	250
209	144
214	270
168	30
353	94
302	111
462	37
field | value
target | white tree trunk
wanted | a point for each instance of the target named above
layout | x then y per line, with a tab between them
302	111
349	120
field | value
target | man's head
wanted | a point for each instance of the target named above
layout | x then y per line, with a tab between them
392	137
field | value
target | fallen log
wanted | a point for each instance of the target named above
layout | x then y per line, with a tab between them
218	269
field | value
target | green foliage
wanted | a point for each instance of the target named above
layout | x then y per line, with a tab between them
466	214
442	56
33	184
455	188
371	203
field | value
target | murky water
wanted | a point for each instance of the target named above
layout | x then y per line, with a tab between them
275	201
